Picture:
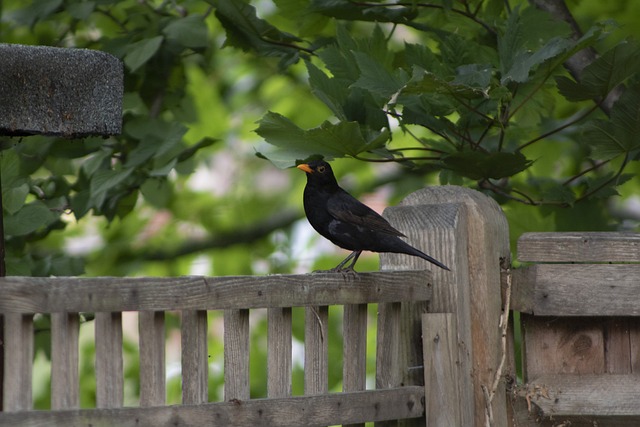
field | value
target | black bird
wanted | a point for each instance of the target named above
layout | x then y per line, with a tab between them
341	218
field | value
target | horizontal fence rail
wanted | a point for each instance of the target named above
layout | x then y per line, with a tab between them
297	411
117	294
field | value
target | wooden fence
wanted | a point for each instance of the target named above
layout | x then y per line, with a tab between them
457	358
580	305
442	351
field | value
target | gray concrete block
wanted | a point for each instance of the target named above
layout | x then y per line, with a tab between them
59	91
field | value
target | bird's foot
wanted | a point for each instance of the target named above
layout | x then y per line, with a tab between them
347	272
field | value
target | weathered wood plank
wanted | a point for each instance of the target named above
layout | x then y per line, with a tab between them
65	328
105	294
109	373
577	289
442	402
589	395
309	411
18	360
617	345
316	350
468	232
528	414
236	355
195	357
388	373
354	349
279	357
579	247
553	345
634	338
152	358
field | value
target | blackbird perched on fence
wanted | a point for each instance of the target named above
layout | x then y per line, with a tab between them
341	218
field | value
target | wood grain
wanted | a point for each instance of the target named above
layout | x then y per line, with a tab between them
308	411
468	232
388	369
152	358
440	230
65	328
579	247
107	294
589	395
18	359
354	349
236	355
279	357
195	357
578	289
554	345
442	402
109	373
316	350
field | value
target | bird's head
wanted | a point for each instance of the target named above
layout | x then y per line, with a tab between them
318	172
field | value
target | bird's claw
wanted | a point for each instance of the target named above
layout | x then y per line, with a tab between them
346	272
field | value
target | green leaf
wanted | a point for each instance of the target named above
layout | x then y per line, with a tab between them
157	192
81	10
426	82
291	143
619	135
28	219
139	53
105	180
603	74
190	31
13	198
331	91
480	165
35	11
248	32
376	79
525	62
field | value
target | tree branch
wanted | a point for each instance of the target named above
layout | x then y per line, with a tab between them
576	64
244	235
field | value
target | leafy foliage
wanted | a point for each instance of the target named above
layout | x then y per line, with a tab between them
469	97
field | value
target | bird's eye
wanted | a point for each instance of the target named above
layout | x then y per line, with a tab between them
320	169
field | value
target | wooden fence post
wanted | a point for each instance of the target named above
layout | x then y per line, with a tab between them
468	232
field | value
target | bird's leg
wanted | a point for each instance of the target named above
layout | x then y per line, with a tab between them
355	255
339	268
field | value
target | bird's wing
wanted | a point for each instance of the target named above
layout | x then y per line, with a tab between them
344	207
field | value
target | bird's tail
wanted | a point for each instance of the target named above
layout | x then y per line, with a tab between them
432	260
410	250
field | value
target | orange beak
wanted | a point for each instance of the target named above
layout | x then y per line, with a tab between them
305	167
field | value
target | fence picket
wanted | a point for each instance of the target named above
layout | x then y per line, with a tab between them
65	328
354	368
109	374
442	402
195	375
152	358
316	350
236	355
18	340
279	352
